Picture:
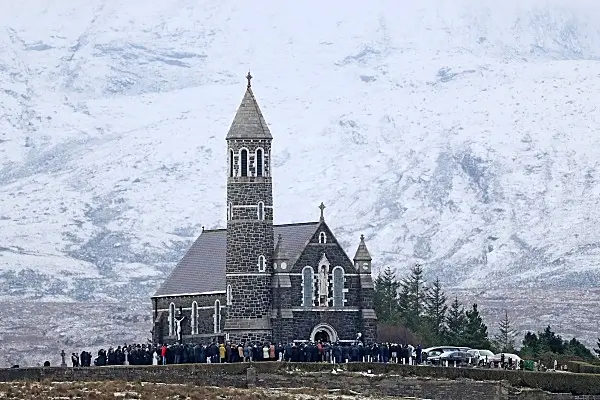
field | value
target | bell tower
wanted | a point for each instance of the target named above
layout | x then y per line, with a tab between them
249	259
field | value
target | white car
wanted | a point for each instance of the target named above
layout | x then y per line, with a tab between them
481	357
495	361
438	350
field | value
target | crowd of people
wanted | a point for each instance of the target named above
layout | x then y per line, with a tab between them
147	354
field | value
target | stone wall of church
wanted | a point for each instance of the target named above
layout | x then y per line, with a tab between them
352	296
252	293
314	251
206	311
249	239
369	325
346	323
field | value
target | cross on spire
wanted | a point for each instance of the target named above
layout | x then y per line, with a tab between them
249	77
322	208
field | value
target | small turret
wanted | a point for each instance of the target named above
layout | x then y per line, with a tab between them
280	257
362	258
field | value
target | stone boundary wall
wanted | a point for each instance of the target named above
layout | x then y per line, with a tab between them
383	379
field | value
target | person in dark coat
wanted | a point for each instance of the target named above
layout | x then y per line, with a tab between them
337	353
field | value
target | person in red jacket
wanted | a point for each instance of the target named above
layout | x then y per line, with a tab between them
163	353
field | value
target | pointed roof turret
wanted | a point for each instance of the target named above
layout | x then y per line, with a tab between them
249	122
280	254
362	253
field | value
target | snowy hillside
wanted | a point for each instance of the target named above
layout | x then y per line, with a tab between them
459	134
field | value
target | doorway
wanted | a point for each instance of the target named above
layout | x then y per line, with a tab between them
322	336
323	333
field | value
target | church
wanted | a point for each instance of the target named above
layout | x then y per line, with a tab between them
259	282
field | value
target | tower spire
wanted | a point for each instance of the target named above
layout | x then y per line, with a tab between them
362	253
249	122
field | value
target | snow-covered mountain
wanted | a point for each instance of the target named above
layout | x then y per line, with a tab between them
459	134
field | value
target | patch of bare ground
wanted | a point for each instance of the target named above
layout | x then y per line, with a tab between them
159	391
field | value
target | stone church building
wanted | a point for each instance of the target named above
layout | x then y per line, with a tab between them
256	281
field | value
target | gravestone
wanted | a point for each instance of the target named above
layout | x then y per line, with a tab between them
251	377
63	362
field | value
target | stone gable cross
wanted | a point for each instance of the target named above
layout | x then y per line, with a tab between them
249	77
322	208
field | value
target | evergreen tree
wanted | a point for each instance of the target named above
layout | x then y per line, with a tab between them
576	348
456	324
412	299
550	341
476	335
597	351
436	312
505	340
531	345
385	297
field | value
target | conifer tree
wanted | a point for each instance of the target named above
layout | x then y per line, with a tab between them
550	341
476	334
576	348
531	345
597	351
456	324
504	341
436	312
386	296
412	299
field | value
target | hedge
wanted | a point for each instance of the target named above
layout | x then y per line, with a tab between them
582	383
554	382
583	367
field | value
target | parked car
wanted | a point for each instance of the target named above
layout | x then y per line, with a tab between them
495	361
454	358
481	357
436	351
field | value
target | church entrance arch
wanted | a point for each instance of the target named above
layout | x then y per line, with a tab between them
323	333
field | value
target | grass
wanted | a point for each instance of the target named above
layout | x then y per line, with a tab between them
151	391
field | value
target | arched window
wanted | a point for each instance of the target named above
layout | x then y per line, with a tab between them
244	162
230	211
260	211
262	264
194	319
217	317
231	163
171	319
259	162
307	287
322	237
229	295
338	287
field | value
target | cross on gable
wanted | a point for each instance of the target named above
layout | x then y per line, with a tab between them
249	77
322	208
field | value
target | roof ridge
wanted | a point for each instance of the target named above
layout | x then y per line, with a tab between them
297	223
214	230
274	225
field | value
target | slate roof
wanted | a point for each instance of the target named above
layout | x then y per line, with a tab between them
362	253
280	254
202	268
249	122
